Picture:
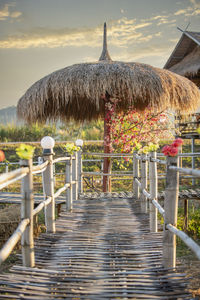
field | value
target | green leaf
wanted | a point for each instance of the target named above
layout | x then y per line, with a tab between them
71	148
25	151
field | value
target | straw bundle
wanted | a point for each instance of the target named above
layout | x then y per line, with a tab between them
78	91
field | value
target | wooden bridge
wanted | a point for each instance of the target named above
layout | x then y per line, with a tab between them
100	247
102	250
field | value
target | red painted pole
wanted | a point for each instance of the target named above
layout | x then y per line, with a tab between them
107	149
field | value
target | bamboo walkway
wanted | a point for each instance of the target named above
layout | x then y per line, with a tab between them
101	250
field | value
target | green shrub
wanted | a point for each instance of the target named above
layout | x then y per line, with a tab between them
33	133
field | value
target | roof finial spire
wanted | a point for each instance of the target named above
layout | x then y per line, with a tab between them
105	55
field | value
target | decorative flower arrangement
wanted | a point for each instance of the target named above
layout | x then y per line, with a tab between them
172	150
2	155
71	148
25	151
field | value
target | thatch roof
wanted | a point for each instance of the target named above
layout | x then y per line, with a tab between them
186	45
189	65
79	91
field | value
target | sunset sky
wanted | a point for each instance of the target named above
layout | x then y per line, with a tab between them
38	37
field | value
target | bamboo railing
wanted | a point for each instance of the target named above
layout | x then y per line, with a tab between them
145	169
24	230
170	210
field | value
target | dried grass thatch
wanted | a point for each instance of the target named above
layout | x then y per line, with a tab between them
78	91
189	65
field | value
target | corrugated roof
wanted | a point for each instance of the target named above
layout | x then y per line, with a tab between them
187	43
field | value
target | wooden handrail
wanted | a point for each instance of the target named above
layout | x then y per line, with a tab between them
186	239
11	181
13	240
61	190
159	207
61	159
40	167
107	154
188	171
41	206
170	211
13	174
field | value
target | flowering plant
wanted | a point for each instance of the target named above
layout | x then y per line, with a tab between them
132	130
71	148
25	151
172	150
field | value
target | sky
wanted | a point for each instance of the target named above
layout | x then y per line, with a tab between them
38	37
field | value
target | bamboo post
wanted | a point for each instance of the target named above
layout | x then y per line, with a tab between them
185	214
75	176
48	184
69	194
102	172
143	198
54	174
180	161
107	148
27	206
136	189
80	183
153	181
171	210
193	158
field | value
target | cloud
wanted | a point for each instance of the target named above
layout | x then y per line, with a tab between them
15	14
189	11
158	17
196	3
181	12
7	13
121	33
162	19
160	51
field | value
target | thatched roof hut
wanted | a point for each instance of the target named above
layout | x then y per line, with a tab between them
79	91
185	59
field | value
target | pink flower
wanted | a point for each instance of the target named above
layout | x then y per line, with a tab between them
166	150
173	151
170	150
178	142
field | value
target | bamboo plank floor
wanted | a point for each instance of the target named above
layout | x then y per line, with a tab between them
101	250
